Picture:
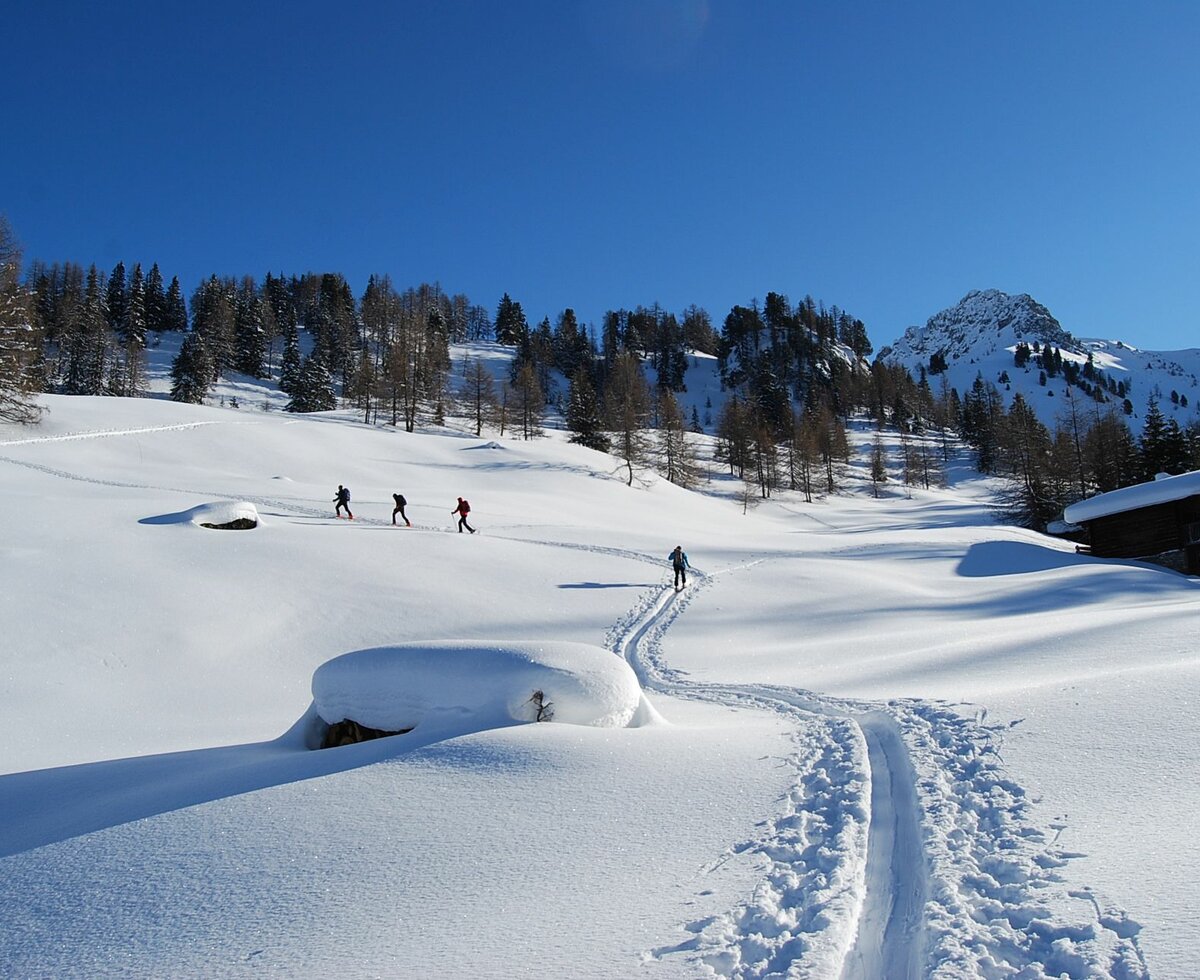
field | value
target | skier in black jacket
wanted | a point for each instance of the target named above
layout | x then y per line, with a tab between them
679	562
400	504
343	500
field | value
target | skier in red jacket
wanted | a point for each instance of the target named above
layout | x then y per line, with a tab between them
462	510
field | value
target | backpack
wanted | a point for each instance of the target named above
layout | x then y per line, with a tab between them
346	494
465	508
400	501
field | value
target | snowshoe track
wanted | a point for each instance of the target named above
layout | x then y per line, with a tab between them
903	851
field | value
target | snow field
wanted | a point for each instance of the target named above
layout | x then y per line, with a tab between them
825	660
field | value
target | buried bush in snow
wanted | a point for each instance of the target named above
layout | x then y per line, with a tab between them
475	686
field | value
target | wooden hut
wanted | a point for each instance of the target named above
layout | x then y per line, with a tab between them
1160	519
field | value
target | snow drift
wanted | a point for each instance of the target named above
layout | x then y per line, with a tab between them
487	685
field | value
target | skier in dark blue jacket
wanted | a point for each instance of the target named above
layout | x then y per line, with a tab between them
679	562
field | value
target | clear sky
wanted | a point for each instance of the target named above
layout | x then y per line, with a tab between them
885	157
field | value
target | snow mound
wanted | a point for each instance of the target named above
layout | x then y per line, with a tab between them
487	685
223	512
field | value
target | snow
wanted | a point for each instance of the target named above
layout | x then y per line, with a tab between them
1162	490
408	686
889	737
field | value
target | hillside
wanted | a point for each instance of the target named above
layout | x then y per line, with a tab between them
979	335
889	737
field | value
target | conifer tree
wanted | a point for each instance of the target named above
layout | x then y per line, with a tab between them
249	337
1024	450
20	344
511	326
289	370
583	413
1111	456
314	388
133	335
191	371
175	316
572	347
117	298
156	301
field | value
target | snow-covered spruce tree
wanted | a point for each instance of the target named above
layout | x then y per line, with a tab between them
572	345
289	369
511	324
191	371
583	412
81	347
133	335
116	298
175	316
314	388
250	341
1163	446
20	345
156	301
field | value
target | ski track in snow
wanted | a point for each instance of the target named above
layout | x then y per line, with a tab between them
106	433
903	850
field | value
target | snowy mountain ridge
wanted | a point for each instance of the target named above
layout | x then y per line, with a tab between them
978	337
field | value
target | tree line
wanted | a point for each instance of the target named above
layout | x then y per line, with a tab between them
793	376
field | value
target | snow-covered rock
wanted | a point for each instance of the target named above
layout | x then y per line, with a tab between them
223	513
403	686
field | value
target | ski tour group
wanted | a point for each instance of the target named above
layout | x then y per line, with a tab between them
342	499
678	558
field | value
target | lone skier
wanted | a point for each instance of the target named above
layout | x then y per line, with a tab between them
462	510
679	562
400	505
343	500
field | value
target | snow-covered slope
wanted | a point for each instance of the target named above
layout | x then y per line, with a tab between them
979	335
890	737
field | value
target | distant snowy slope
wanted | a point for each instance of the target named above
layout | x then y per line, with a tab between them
979	335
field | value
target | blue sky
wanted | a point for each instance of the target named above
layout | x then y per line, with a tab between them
883	157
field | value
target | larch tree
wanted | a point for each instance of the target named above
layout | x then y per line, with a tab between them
477	395
627	412
676	454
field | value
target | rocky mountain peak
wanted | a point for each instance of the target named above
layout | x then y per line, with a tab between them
982	322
